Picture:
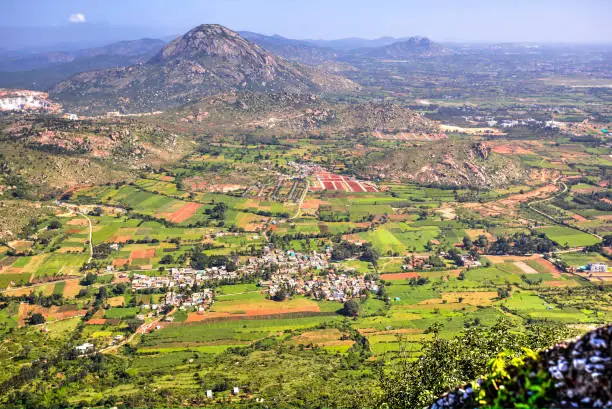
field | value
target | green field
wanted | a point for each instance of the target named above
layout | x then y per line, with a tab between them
568	237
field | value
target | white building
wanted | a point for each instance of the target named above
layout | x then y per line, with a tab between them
597	267
85	348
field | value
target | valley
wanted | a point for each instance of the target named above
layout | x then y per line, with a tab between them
219	225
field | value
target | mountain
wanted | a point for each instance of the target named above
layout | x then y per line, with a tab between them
413	46
207	60
41	71
12	62
353	43
294	50
71	37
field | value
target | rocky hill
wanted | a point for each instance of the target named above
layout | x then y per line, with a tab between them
297	113
411	47
576	374
445	163
207	60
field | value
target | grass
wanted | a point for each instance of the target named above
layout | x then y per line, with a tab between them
577	259
17	278
117	312
568	237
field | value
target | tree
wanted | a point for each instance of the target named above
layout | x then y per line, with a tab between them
36	319
54	224
134	324
351	308
167	259
467	243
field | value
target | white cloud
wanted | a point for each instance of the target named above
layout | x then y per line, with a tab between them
77	18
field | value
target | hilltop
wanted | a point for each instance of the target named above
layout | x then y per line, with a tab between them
207	60
413	46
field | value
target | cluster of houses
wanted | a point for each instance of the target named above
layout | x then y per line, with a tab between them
182	278
331	287
286	262
201	299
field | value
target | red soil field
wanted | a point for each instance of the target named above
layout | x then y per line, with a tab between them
550	267
118	262
96	321
148	253
356	187
398	276
184	213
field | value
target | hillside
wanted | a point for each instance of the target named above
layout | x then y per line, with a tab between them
287	113
207	60
446	163
294	50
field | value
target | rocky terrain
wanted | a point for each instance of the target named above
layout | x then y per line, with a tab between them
571	375
280	113
445	163
205	61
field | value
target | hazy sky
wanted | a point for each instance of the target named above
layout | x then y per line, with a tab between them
441	20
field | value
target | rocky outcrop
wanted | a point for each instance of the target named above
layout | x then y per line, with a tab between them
575	374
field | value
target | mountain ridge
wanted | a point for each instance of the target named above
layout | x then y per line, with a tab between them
206	60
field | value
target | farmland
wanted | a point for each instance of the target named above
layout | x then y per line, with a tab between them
306	251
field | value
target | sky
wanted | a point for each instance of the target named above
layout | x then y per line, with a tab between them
576	21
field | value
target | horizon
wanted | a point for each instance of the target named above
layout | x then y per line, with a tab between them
470	22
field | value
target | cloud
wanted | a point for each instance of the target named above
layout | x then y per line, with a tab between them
77	18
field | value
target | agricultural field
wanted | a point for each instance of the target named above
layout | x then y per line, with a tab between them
569	237
441	262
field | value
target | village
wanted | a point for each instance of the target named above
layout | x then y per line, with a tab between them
294	272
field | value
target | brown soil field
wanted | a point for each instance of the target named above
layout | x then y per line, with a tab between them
116	301
195	317
119	262
50	314
77	222
184	213
119	239
474	233
509	204
313	203
550	267
96	321
399	276
71	288
142	254
324	337
559	283
474	298
579	218
507	149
